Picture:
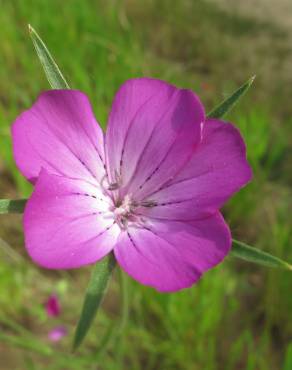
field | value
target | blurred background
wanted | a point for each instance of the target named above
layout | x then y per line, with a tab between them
239	315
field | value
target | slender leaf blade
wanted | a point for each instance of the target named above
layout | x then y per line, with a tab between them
12	205
254	255
228	103
93	297
52	71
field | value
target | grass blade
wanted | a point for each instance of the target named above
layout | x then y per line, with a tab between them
251	254
227	104
12	205
52	71
26	344
93	298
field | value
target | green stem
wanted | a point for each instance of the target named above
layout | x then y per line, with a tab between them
12	205
124	319
95	292
125	300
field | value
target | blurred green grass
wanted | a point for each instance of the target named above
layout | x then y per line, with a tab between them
238	316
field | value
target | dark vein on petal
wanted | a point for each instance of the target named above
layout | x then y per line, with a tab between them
192	267
151	136
160	164
101	233
95	185
169	184
59	138
139	251
59	172
68	222
89	195
207	214
78	124
93	144
129	129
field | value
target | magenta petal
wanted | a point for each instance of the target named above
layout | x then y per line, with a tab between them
152	132
59	133
128	102
218	169
64	223
56	334
52	305
173	255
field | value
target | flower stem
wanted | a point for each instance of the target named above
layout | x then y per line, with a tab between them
95	292
124	319
12	205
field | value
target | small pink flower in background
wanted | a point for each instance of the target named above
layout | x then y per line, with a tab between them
52	305
149	190
56	334
53	309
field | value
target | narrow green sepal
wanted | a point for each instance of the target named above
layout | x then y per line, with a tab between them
228	103
52	71
254	255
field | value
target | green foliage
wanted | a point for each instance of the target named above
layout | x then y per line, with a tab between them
238	316
223	108
288	358
103	270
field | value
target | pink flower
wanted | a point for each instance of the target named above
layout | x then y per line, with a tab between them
52	306
149	189
53	309
56	334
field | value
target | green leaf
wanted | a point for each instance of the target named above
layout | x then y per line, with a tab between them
93	298
52	71
251	254
12	205
227	104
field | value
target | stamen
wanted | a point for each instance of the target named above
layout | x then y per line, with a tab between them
123	212
112	185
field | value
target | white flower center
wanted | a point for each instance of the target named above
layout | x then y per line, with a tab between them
124	212
125	209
